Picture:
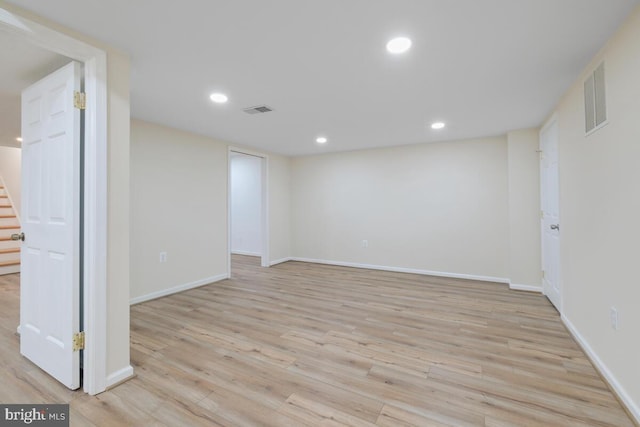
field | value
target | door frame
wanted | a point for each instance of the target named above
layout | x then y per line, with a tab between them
264	214
552	121
95	185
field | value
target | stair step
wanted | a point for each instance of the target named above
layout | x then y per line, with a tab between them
7	216
9	263
5	238
4	196
9	227
10	251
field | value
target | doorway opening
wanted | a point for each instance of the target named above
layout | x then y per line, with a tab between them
94	191
248	235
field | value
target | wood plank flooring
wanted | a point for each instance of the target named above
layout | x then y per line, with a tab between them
308	345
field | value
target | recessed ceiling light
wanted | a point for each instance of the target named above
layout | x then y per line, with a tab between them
321	140
437	125
19	139
399	45
219	98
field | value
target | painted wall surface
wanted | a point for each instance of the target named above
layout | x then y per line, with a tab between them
279	194
10	171
600	212
439	207
178	206
118	67
246	204
524	208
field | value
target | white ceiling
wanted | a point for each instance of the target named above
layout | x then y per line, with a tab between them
483	66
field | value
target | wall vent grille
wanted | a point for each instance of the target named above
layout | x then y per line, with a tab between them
595	102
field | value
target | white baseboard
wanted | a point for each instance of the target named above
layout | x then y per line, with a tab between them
120	376
526	288
632	407
248	253
279	261
179	288
406	270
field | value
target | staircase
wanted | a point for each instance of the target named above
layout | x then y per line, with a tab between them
9	224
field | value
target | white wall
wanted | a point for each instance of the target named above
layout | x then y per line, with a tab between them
179	187
246	204
439	207
524	209
600	215
178	206
279	195
10	169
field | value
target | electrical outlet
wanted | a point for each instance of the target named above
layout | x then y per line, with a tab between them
615	319
365	243
163	257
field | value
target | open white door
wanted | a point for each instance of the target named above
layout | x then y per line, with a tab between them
550	222
50	279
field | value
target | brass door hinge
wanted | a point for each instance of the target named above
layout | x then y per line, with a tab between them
80	100
78	341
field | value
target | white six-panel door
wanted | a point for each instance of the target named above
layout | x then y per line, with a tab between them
550	222
49	291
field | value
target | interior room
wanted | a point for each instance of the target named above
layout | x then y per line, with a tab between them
364	213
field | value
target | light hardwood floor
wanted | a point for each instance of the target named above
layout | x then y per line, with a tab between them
301	344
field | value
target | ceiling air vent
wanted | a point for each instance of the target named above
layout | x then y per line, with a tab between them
258	109
595	104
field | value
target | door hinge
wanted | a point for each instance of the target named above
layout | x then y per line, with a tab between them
78	341
80	100
542	277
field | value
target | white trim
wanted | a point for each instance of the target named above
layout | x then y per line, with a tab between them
280	261
228	211
119	376
247	151
405	270
264	166
247	253
95	182
95	225
553	118
526	288
632	407
178	288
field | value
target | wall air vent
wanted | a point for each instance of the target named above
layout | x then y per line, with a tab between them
595	103
258	109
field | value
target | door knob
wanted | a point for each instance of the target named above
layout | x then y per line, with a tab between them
17	236
555	227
